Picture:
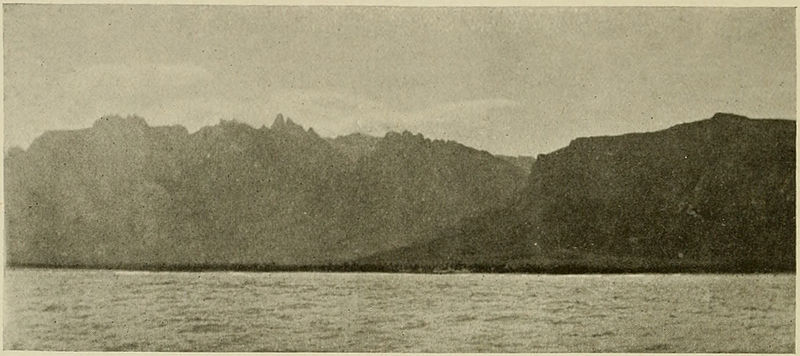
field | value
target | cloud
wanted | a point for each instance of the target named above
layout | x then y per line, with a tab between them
194	113
333	113
482	123
169	94
330	112
144	76
470	113
485	123
82	96
119	86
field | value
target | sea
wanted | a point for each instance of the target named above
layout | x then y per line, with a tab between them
106	310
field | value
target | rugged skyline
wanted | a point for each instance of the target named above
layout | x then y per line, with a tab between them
713	195
507	80
126	192
491	178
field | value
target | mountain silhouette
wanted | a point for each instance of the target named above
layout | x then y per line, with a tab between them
122	193
717	194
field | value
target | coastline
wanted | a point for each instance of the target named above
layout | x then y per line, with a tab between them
562	269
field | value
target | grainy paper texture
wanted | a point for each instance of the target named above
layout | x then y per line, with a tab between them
279	178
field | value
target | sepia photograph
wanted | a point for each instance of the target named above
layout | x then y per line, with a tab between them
399	179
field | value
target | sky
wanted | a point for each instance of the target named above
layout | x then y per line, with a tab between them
519	81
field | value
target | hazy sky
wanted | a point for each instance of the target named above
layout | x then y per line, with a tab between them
508	80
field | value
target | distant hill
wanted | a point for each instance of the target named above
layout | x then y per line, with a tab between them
716	195
122	193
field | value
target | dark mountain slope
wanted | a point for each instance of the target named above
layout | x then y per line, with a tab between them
410	187
523	162
92	195
355	146
123	193
254	196
717	193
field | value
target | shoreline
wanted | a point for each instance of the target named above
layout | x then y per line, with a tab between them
475	269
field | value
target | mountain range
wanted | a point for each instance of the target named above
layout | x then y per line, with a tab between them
717	194
712	195
124	193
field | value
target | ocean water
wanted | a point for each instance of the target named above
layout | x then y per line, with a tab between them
230	311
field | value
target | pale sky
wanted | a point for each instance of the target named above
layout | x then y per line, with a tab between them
507	80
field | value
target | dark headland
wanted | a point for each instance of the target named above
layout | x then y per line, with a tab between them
715	195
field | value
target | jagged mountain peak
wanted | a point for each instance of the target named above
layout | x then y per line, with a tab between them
278	122
231	193
286	124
